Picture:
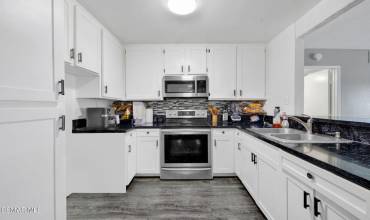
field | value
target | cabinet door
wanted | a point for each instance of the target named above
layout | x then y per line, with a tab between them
270	198
238	158
112	67
144	73
147	155
222	72
27	70
68	32
174	60
131	157
196	60
223	154
249	171
251	71
88	41
299	200
328	210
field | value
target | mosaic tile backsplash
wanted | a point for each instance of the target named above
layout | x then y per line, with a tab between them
160	107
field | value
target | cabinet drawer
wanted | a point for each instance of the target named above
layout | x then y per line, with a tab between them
223	132
347	195
147	133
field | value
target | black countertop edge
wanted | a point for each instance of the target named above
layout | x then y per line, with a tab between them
337	171
243	127
126	128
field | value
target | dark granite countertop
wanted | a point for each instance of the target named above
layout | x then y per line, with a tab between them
349	161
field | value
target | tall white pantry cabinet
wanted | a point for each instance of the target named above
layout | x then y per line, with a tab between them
32	157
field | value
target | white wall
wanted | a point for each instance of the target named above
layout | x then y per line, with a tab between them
285	56
355	78
285	69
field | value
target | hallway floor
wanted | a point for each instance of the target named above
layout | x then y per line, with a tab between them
151	198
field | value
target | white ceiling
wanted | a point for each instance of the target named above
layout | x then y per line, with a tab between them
349	31
215	21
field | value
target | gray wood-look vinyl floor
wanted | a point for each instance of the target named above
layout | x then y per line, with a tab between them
151	198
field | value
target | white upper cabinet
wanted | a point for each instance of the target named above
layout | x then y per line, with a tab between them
68	32
251	71
180	59
144	72
87	41
196	60
222	72
112	67
174	60
27	70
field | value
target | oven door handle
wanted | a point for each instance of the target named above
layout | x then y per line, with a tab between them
185	168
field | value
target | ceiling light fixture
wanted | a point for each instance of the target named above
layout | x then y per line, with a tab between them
182	7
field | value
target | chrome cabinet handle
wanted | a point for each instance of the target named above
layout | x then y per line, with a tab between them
129	148
305	203
157	143
61	87
182	68
241	92
79	57
215	143
106	89
234	92
159	93
239	146
72	53
189	68
63	123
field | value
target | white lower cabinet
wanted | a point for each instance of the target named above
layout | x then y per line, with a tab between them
299	200
249	172
238	161
131	152
315	194
223	151
147	152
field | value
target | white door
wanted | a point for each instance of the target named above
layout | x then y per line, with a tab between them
251	71
147	155
299	200
88	41
270	198
32	160
112	67
222	72
144	73
174	60
196	60
223	154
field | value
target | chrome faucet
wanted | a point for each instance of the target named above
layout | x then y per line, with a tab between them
307	126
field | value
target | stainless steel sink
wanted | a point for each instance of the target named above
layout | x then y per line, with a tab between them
277	131
294	136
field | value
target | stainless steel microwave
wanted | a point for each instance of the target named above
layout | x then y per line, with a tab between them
185	86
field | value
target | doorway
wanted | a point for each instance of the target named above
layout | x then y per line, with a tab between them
322	91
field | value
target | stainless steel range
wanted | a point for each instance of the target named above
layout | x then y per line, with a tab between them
186	150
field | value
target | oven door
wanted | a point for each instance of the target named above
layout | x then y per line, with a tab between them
186	148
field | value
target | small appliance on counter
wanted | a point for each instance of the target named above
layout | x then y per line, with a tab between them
101	118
